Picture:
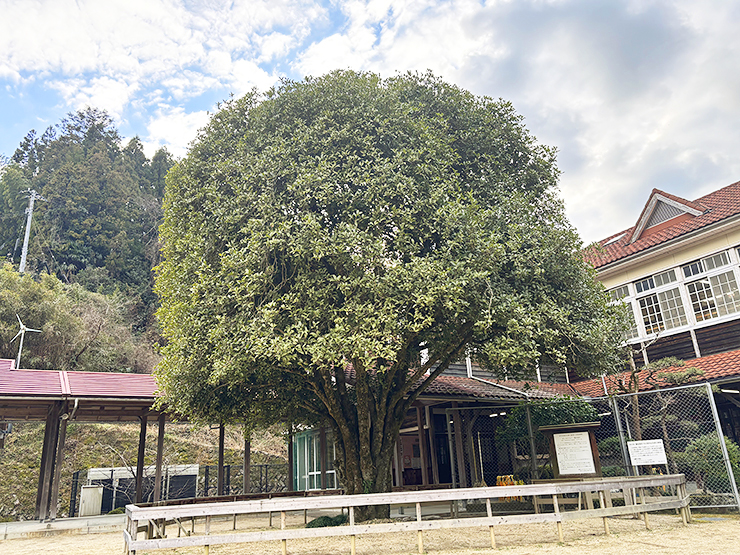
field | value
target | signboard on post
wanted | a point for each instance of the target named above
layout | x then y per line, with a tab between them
573	450
647	452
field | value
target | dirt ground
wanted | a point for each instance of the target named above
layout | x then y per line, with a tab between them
709	534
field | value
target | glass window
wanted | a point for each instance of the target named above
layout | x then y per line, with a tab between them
714	296
706	264
702	300
664	278
651	316
662	310
645	285
716	261
672	308
725	292
619	293
692	269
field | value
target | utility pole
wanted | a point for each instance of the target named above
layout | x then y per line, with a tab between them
32	196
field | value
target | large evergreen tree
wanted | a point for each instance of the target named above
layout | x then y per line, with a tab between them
98	223
319	240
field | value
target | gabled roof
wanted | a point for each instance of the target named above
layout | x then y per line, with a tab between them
666	217
721	367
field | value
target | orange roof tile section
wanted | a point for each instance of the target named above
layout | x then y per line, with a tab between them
715	207
714	367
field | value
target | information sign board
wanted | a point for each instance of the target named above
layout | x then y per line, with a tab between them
574	453
647	452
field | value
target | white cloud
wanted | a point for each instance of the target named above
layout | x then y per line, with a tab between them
635	94
173	128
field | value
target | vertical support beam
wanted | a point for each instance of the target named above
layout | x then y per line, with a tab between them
246	478
353	550
432	445
422	447
322	456
448	423
48	455
532	445
396	467
420	537
282	527
489	512
602	505
158	466
291	456
54	502
140	461
221	438
459	450
723	446
620	432
556	510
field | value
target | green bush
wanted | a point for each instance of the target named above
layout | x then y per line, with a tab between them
323	521
703	462
611	471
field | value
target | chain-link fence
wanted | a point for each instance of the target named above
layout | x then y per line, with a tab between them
493	445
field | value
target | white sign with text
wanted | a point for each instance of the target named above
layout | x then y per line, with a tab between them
574	454
647	452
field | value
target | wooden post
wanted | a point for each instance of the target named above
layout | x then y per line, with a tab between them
221	437
432	445
48	457
489	512
282	527
158	466
422	447
645	513
602	503
322	456
459	452
556	510
420	537
207	548
396	465
291	455
246	478
54	501
140	461
353	550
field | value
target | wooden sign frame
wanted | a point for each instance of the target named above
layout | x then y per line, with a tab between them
571	432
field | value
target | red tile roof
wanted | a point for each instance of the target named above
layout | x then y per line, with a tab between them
715	207
459	386
717	367
6	364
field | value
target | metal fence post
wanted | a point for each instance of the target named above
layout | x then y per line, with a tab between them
723	447
620	432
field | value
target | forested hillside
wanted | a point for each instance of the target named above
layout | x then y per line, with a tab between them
94	243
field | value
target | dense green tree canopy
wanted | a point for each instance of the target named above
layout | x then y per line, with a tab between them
383	226
80	330
98	223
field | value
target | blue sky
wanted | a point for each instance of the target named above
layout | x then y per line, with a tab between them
633	94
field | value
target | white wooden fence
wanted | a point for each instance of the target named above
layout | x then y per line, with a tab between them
641	495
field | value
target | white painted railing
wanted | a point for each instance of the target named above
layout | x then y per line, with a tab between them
634	491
